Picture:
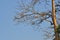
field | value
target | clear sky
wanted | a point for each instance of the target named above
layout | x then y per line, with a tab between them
8	29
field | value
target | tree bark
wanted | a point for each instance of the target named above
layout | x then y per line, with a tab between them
54	20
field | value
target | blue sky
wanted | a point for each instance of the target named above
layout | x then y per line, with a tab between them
8	29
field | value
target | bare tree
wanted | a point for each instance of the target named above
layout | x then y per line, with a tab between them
28	12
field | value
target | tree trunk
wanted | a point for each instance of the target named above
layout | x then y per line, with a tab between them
54	20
